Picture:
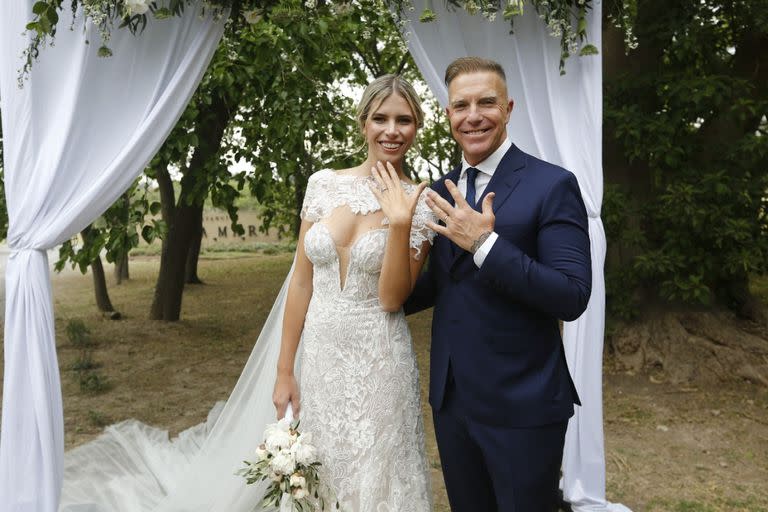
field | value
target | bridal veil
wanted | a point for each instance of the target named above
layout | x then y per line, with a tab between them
133	467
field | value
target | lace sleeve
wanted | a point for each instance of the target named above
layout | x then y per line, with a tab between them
419	230
312	209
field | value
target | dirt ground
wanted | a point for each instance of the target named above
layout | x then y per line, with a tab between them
669	447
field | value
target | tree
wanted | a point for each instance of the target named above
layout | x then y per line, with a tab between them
115	232
103	303
203	126
686	145
274	97
311	125
121	263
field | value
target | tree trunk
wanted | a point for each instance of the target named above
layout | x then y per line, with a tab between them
100	287
99	280
121	270
635	177
185	217
193	255
170	281
121	265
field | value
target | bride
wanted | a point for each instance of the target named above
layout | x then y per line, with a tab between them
335	347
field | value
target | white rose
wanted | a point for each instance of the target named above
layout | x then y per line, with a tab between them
277	436
284	463
304	452
278	441
136	6
299	493
283	425
252	17
298	481
261	452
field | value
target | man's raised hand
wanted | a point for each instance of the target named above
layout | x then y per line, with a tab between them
462	224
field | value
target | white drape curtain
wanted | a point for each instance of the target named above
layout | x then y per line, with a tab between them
75	137
559	119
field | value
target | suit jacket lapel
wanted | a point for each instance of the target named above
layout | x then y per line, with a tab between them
503	182
506	177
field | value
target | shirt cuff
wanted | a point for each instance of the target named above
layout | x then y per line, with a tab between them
484	249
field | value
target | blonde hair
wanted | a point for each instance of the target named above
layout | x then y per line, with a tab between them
382	88
465	65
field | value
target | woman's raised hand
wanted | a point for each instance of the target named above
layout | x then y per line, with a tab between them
395	203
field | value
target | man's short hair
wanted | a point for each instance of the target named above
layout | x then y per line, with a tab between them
464	65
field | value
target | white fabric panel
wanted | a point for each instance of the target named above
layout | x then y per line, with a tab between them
559	119
75	137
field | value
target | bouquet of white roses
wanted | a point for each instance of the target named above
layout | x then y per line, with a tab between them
288	460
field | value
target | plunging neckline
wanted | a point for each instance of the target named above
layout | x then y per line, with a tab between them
343	285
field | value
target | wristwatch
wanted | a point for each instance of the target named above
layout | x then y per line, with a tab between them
480	240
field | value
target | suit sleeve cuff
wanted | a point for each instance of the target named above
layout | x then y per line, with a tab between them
482	252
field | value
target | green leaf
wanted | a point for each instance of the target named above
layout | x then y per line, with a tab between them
588	49
163	13
40	7
52	16
427	16
148	234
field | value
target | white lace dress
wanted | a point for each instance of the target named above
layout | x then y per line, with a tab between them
359	380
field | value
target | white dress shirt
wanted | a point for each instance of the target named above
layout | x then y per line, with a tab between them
487	167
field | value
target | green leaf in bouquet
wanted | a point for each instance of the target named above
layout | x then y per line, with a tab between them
163	13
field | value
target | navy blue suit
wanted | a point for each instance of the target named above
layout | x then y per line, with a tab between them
500	389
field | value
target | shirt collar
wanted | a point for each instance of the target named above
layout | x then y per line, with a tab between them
489	165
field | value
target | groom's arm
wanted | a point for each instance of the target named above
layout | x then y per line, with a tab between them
559	281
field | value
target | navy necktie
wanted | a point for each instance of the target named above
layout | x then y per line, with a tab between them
471	191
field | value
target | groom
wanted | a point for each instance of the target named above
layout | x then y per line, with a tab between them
501	275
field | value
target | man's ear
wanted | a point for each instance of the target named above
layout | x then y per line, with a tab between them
448	112
510	106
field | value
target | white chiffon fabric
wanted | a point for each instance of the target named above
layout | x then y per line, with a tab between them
559	119
133	467
75	137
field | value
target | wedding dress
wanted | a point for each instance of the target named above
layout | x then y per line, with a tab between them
358	381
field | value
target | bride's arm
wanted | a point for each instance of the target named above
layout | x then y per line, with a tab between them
400	267
296	305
